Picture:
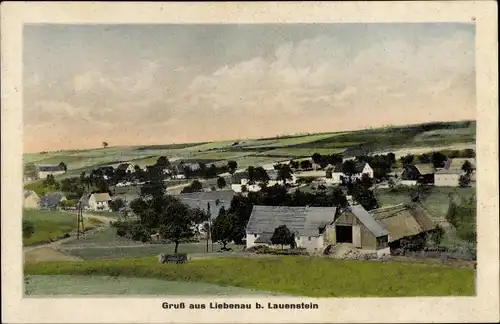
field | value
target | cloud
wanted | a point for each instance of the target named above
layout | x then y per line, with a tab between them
312	82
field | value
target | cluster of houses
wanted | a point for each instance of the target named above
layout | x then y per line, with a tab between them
56	200
314	228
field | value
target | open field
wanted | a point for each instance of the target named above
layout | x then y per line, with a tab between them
300	152
50	225
302	276
106	285
401	140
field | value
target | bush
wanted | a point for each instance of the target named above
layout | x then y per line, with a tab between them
28	229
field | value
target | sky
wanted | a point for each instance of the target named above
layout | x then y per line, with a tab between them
161	84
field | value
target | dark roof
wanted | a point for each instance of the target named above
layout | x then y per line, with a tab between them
238	176
306	221
264	238
122	166
50	168
201	200
358	166
368	220
52	199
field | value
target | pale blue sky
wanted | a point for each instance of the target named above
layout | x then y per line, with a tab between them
145	84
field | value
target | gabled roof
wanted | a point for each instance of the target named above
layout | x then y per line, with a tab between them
238	176
403	220
264	238
306	221
100	197
425	168
358	167
28	193
52	199
201	200
123	166
50	168
368	220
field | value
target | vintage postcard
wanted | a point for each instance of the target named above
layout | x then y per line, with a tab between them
249	162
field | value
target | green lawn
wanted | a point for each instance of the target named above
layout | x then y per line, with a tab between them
105	285
50	225
302	276
116	248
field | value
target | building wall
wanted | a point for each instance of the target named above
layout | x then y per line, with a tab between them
446	180
408	182
101	205
314	243
44	174
32	202
368	240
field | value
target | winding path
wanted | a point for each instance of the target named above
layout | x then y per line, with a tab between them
106	223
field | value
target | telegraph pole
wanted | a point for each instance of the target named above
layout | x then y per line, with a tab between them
79	217
209	232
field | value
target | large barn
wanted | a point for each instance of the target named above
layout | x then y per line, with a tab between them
317	227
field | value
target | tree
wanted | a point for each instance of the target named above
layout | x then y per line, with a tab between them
305	164
464	181
50	181
467	167
407	160
437	234
63	166
363	195
294	164
28	229
349	169
232	165
424	158
163	162
221	183
116	204
438	159
316	158
177	223
283	236
105	144
285	173
225	228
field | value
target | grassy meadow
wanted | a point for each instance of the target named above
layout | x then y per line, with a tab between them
50	225
301	276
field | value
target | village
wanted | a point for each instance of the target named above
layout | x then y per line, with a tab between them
313	205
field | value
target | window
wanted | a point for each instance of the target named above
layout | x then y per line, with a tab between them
309	238
255	235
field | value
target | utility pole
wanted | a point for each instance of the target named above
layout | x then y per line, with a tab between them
209	232
79	217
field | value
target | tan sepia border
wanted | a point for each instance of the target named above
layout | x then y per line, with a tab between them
483	307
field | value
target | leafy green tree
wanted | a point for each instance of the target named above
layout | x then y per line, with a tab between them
467	167
464	181
349	169
438	159
437	235
232	165
221	183
283	236
316	158
116	204
285	173
407	160
163	162
305	164
225	228
28	229
63	166
105	144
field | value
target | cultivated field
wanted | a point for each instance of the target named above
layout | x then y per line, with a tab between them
400	140
301	276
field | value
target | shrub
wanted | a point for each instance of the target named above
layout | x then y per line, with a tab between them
28	229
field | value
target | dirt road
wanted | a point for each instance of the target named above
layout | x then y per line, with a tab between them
106	223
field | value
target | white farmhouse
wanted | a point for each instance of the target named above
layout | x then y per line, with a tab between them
305	222
99	201
45	170
447	178
335	176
